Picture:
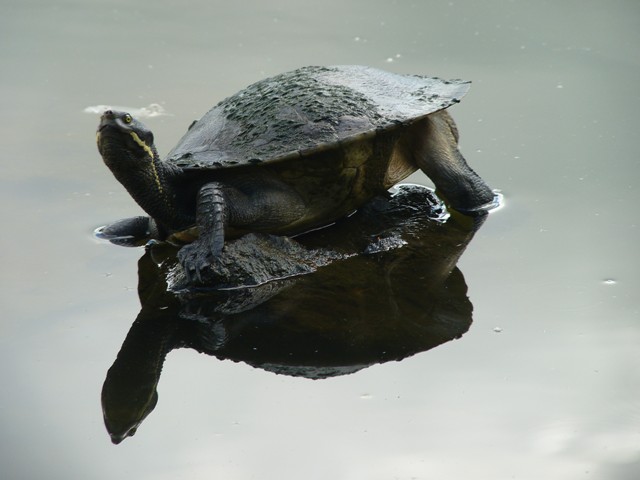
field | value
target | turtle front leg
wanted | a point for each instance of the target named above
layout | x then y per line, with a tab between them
258	202
130	232
211	217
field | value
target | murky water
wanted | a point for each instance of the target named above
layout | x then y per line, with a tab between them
544	384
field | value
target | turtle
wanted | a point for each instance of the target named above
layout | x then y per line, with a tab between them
288	154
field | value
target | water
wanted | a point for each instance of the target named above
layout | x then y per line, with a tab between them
550	121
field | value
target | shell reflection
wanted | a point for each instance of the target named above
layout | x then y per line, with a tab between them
394	291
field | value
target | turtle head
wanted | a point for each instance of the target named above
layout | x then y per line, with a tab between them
127	148
123	139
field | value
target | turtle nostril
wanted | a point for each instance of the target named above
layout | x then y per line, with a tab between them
108	115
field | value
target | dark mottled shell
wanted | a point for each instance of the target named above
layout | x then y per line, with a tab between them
299	113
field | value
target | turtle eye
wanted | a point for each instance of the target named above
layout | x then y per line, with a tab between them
127	118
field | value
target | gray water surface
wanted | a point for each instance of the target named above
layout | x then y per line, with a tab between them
545	383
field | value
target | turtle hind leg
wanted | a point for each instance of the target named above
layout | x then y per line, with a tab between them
437	156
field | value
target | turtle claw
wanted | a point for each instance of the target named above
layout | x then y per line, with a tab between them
194	259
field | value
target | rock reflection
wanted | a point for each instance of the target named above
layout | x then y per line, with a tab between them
394	292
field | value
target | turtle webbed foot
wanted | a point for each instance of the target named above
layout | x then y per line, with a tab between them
128	232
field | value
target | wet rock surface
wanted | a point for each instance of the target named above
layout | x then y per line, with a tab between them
381	225
255	259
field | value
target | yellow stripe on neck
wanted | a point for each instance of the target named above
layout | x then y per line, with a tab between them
139	141
148	149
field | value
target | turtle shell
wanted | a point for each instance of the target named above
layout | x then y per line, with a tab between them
309	110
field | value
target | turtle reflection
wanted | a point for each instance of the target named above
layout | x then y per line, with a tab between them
394	291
